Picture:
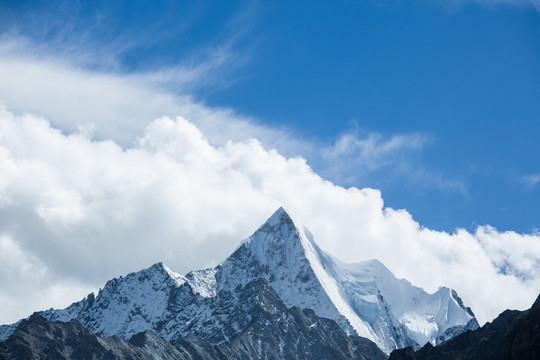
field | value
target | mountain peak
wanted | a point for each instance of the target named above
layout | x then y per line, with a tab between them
281	211
281	236
159	271
286	228
283	252
280	216
159	267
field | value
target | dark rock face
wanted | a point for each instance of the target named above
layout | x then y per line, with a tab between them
270	331
36	338
513	335
276	332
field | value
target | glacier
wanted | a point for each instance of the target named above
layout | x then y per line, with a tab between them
365	299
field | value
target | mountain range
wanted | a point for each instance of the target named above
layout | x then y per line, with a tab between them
307	286
271	331
274	332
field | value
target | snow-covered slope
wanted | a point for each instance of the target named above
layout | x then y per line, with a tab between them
126	305
365	299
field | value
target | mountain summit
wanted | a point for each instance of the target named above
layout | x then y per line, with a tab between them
365	299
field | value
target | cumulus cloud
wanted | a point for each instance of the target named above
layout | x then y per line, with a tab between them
75	211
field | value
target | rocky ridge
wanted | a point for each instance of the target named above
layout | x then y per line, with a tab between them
273	331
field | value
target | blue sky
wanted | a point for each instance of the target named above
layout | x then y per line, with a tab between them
459	79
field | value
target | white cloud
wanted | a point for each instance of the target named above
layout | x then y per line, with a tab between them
359	157
371	150
25	279
77	211
118	107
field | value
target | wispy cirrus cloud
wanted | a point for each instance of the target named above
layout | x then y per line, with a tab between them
535	4
530	181
372	150
361	156
48	84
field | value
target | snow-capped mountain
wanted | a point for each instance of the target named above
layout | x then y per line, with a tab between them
272	332
365	299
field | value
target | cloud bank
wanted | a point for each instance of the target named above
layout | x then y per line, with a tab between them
75	211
